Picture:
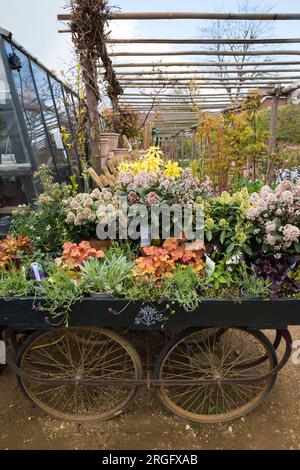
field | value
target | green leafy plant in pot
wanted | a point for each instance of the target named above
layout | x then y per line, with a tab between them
106	278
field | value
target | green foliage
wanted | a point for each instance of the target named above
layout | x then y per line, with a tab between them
45	222
106	277
14	283
148	291
226	227
252	286
183	287
252	186
125	248
230	143
288	123
59	292
221	278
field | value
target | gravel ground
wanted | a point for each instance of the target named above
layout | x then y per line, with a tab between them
147	426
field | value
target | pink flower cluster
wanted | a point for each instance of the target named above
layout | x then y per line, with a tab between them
275	215
152	188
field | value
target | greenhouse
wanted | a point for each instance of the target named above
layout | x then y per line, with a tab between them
34	106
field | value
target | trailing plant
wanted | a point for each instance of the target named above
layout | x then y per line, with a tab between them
147	290
183	287
59	293
14	283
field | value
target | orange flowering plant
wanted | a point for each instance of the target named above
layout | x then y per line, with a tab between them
159	262
74	255
12	249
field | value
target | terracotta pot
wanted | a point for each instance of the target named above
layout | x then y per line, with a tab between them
111	156
112	138
104	148
121	153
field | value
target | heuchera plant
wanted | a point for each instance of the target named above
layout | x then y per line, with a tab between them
74	255
158	262
12	249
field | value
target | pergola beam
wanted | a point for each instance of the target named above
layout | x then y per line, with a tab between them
194	16
200	87
202	41
204	64
212	79
197	72
193	96
235	84
206	53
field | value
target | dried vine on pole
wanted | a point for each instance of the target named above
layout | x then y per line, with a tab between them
89	20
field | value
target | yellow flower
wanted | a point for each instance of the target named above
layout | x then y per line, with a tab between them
125	167
154	152
172	169
153	164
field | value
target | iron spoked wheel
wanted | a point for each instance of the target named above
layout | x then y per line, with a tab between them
79	353
198	355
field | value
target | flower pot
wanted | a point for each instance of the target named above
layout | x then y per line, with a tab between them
104	148
112	138
99	295
121	154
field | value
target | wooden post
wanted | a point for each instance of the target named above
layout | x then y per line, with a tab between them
89	75
273	129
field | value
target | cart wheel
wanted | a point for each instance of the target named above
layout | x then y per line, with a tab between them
79	353
236	354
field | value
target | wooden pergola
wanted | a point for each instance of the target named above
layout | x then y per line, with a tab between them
177	90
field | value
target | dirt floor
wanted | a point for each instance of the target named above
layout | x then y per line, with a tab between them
147	426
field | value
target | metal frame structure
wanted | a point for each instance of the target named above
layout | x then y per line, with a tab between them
25	175
199	84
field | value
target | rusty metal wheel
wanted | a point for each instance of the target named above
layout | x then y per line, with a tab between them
79	353
234	356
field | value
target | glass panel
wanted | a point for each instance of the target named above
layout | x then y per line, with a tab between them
49	112
65	123
31	111
12	154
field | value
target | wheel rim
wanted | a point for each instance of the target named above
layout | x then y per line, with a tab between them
236	354
80	353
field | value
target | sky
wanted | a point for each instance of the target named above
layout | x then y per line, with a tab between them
34	24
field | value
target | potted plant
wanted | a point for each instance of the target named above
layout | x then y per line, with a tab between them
106	278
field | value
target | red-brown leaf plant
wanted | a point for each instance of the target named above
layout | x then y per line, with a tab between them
74	255
12	249
158	262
